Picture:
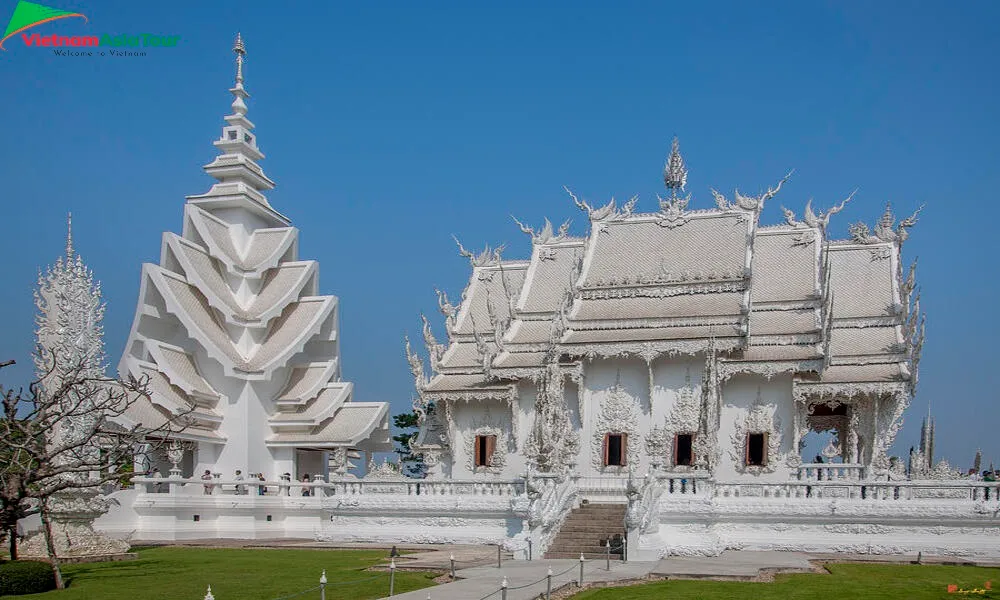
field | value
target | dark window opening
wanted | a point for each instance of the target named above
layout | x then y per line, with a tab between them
756	449
684	449
232	135
615	449
197	518
485	446
247	138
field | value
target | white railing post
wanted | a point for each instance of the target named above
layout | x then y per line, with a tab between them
392	576
208	594
322	586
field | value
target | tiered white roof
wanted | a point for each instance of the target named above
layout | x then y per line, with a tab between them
768	299
229	308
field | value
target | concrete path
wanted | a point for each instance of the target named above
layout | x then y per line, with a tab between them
526	579
733	565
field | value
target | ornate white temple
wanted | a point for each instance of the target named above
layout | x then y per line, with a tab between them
688	340
235	337
671	363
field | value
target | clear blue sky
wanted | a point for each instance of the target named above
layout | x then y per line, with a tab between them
390	126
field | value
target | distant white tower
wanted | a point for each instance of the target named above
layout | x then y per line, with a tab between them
68	324
232	332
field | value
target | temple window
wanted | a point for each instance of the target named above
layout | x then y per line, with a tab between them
684	449
232	135
615	446
756	449
485	445
248	138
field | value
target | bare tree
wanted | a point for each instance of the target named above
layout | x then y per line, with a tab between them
72	436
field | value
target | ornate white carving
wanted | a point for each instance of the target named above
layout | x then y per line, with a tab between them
447	309
657	445
760	418
673	211
675	174
545	235
70	334
645	350
416	366
553	443
608	212
551	498
748	203
664	291
383	470
886	230
488	257
434	349
643	512
619	413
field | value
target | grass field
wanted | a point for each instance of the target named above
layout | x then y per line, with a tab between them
235	574
845	581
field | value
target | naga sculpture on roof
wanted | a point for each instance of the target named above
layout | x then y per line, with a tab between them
886	230
545	235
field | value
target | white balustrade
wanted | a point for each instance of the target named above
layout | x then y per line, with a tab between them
831	472
336	487
876	491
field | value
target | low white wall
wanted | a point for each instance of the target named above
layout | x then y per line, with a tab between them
710	526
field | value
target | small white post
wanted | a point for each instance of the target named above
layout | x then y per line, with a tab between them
498	556
548	584
503	588
322	586
392	576
208	594
580	581
453	565
607	554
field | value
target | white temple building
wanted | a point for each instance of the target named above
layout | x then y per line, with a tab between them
684	340
235	337
655	379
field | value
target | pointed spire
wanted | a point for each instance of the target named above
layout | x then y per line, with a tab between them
674	171
240	51
69	236
239	106
236	168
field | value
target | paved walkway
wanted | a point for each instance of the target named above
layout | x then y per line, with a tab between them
733	565
526	579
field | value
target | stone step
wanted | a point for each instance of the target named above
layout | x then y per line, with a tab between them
600	507
591	526
586	549
586	556
583	536
578	520
601	517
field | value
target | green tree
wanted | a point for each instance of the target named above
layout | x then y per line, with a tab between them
411	463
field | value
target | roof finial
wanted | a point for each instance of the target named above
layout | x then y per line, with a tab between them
674	172
69	236
240	51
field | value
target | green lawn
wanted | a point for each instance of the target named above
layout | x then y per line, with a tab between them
235	574
848	581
